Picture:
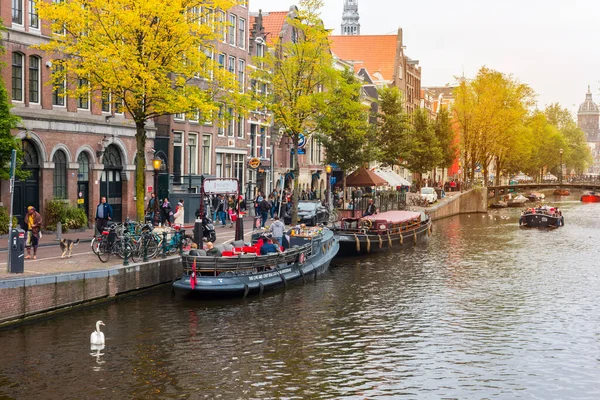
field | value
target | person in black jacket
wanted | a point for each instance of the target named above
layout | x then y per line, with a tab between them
166	212
371	210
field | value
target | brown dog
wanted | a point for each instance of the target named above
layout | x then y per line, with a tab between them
66	245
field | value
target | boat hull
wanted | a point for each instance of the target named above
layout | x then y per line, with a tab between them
562	192
352	244
243	283
590	198
541	221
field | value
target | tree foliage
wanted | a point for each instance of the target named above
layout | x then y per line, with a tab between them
424	151
149	55
446	138
393	127
299	71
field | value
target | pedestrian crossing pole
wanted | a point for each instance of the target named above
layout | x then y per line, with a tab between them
13	162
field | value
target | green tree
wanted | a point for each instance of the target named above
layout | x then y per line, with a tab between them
424	151
148	55
299	71
343	124
393	127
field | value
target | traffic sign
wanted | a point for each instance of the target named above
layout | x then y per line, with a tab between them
301	141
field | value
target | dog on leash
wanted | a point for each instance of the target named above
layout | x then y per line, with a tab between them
66	245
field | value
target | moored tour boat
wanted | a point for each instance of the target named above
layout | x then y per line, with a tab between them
562	192
535	196
590	197
384	231
516	201
542	217
243	271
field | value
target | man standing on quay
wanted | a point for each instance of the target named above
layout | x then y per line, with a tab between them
104	213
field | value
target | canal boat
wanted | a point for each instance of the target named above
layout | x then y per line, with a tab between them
385	231
535	196
499	204
562	192
243	271
542	217
516	201
590	197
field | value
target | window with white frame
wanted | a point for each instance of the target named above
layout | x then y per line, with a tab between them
83	96
193	153
17	12
262	143
61	30
219	166
177	157
231	27
241	33
210	54
253	133
230	122
34	19
238	167
260	52
106	101
58	89
194	116
221	60
231	66
17	76
179	117
228	165
118	104
221	120
34	79
240	127
221	28
242	74
206	152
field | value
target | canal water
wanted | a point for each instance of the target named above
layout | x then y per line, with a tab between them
485	309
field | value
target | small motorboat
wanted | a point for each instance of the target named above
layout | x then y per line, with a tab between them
590	197
535	196
562	192
542	217
516	201
499	204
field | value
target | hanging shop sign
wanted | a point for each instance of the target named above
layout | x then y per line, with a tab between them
220	186
254	163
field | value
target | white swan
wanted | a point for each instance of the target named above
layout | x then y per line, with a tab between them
97	337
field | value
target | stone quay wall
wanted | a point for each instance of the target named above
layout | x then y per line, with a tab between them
472	201
26	297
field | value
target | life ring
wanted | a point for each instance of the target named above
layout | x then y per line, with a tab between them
366	224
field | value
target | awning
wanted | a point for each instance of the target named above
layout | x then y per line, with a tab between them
391	177
363	177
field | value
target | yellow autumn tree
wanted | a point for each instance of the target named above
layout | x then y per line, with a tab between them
299	70
151	56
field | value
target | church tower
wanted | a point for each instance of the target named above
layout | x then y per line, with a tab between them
588	118
350	24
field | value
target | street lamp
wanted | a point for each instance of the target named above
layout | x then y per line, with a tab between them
156	164
561	166
328	170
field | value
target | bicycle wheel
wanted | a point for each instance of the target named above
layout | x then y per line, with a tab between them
95	244
104	250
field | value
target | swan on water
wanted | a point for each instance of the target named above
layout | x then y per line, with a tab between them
97	337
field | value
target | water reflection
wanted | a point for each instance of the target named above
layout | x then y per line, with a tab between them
96	353
485	309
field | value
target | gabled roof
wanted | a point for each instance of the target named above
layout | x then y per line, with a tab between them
376	53
273	23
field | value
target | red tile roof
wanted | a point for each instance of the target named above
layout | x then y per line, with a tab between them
376	53
273	23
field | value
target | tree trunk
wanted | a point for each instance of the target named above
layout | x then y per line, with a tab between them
296	170
140	169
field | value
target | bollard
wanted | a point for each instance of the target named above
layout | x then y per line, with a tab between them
126	250
164	245
58	231
146	239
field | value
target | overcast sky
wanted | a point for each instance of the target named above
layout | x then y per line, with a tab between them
553	46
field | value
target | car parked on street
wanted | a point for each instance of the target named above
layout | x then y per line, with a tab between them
429	194
310	212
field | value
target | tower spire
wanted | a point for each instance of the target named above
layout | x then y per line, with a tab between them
350	17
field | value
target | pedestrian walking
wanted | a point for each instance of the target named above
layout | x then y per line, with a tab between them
151	208
221	210
33	223
104	213
277	229
264	207
179	213
166	212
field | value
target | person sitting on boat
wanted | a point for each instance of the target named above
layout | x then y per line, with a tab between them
269	247
371	210
211	250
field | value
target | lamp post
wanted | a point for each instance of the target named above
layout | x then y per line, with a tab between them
156	164
561	166
328	170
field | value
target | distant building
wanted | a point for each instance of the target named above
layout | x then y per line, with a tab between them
350	24
588	119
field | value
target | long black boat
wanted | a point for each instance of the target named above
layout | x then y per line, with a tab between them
309	254
542	217
381	232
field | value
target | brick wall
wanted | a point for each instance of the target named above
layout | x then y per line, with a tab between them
25	297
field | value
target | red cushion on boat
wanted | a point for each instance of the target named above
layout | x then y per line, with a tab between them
249	249
227	254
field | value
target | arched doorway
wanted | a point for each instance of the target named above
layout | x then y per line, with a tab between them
83	180
26	192
110	181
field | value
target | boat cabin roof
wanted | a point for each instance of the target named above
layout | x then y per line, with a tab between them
394	216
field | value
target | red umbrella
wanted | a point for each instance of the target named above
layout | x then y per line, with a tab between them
364	177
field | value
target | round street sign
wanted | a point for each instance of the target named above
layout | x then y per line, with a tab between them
254	162
301	140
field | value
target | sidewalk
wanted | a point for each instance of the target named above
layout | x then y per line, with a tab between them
49	260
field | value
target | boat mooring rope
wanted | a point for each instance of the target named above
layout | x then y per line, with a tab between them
368	244
380	242
415	236
401	238
389	240
429	230
357	243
